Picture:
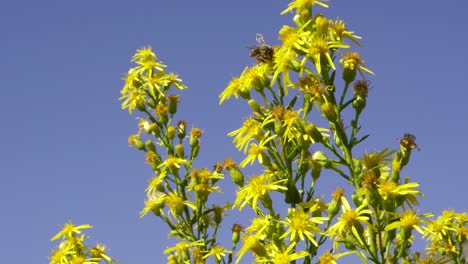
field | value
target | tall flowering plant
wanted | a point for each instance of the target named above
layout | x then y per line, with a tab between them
306	95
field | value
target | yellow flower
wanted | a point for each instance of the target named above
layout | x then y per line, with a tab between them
251	129
156	183
352	62
260	225
173	163
291	36
377	159
258	188
256	152
282	256
301	224
284	57
301	5
147	59
173	79
99	251
390	190
338	32
351	220
154	203
328	258
133	98
408	221
316	47
251	243
218	252
231	90
60	254
182	248
69	230
176	204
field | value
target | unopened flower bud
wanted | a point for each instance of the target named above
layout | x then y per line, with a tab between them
181	129
150	145
135	141
172	259
321	159
171	131
154	129
313	132
298	20
359	103
236	230
161	111
295	65
335	203
195	136
328	109
236	176
179	148
173	101
321	23
244	93
254	105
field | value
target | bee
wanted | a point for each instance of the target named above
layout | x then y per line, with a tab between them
262	52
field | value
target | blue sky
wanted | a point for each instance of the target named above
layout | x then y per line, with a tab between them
64	151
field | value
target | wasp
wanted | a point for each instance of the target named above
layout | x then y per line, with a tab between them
262	52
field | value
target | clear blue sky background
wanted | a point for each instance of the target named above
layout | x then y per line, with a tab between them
64	152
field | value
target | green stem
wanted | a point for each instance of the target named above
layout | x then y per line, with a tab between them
345	90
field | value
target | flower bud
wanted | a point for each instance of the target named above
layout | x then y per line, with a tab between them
172	259
328	109
254	105
321	23
359	103
150	145
179	148
335	203
171	131
135	141
236	230
181	129
295	65
236	176
298	20
154	129
195	136
321	159
313	132
173	101
161	111
244	93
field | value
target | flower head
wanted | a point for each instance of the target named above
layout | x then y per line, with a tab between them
301	225
69	230
258	189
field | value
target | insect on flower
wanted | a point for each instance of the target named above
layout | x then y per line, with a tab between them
262	52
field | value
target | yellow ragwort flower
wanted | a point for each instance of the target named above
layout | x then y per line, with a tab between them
258	189
301	5
350	220
301	224
69	230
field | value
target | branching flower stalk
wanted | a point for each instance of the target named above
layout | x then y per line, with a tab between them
297	134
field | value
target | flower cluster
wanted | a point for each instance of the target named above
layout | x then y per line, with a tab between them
72	249
304	126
